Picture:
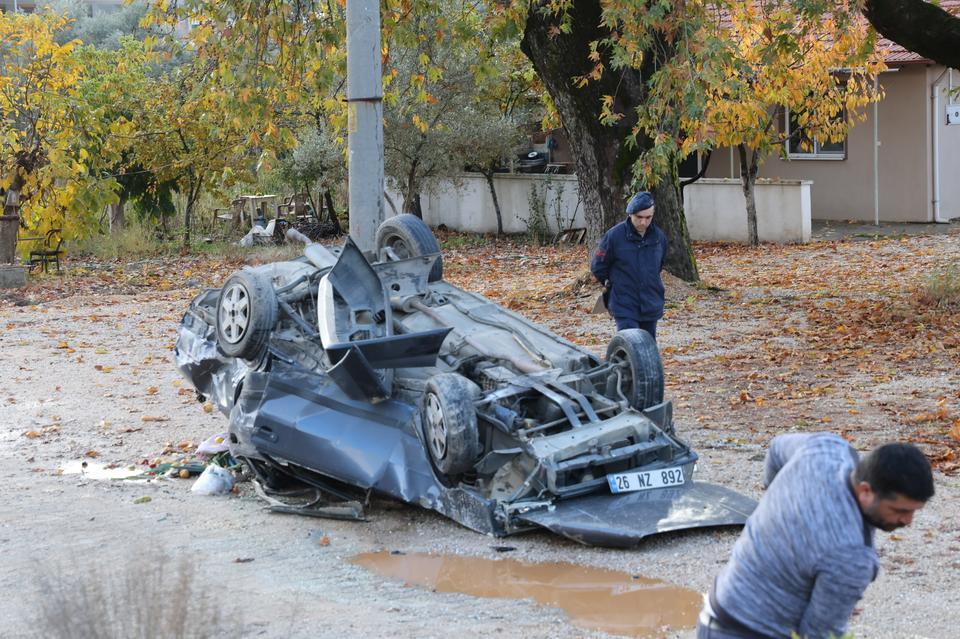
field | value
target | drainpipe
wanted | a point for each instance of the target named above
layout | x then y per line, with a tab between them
876	156
935	99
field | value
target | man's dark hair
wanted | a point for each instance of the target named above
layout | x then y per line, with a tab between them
897	469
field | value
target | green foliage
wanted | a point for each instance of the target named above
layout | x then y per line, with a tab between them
138	239
104	28
53	141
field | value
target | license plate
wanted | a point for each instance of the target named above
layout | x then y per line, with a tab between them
645	480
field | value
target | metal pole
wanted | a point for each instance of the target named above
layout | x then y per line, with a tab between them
876	157
365	121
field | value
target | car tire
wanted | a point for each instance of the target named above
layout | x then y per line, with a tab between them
409	236
246	314
642	381
449	421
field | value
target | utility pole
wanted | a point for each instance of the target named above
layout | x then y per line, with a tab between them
365	121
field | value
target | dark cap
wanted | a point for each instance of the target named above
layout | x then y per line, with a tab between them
639	202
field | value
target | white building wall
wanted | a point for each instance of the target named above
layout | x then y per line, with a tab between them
715	208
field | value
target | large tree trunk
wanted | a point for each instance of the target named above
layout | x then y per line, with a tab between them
680	259
603	160
748	181
918	26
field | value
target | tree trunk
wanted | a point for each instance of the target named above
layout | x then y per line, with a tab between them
918	26
117	219
488	174
411	194
603	159
332	212
680	257
748	180
193	194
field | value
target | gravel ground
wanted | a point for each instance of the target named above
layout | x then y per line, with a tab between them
91	377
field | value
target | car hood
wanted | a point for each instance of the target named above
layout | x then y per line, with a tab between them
623	520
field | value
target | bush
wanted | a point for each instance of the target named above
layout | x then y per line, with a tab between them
138	239
942	289
149	597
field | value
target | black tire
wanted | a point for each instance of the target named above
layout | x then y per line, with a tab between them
642	377
409	236
246	314
450	423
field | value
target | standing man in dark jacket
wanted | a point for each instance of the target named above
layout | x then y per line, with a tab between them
628	262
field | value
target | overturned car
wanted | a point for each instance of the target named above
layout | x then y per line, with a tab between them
355	375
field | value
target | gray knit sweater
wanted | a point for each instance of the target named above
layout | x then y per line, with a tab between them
806	555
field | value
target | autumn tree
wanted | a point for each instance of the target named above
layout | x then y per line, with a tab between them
315	165
595	58
50	140
509	100
451	99
770	63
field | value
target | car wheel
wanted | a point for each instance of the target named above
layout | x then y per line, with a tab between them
450	423
408	236
641	371
246	313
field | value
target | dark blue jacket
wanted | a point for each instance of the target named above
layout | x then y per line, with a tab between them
632	265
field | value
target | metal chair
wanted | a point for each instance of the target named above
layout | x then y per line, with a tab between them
49	252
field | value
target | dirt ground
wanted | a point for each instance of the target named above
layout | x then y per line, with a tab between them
828	336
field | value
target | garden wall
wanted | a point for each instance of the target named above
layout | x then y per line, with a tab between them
714	207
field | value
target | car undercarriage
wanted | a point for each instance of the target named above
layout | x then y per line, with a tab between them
355	373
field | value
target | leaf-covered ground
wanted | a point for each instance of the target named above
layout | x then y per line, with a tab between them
826	336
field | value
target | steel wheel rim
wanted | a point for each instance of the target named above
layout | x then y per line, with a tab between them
436	429
399	246
234	313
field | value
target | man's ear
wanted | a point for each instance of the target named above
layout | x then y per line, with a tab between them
864	493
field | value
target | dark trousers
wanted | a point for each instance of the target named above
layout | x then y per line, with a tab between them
650	327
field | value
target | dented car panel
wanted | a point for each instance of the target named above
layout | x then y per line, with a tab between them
356	376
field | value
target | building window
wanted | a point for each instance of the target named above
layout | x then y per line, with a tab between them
801	146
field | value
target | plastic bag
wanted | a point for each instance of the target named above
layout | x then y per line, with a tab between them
214	480
213	445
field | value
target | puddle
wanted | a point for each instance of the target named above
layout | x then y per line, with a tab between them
93	470
593	598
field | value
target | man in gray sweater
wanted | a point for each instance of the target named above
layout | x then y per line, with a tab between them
806	554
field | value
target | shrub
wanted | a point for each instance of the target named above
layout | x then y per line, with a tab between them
942	289
149	597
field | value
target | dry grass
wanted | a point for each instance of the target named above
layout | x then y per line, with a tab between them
150	597
942	289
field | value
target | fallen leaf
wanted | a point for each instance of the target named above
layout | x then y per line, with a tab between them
142	500
153	418
91	453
